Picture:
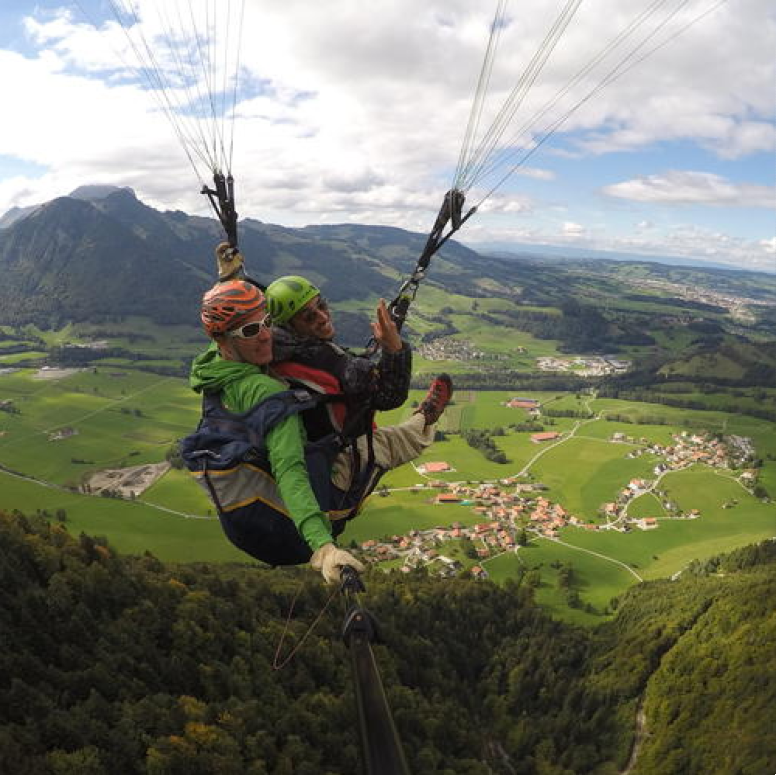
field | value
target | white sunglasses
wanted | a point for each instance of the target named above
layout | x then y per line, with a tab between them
252	329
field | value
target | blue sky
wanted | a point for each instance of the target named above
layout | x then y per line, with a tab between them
355	112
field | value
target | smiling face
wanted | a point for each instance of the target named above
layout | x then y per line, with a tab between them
250	350
313	320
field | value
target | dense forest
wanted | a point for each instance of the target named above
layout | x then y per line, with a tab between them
115	664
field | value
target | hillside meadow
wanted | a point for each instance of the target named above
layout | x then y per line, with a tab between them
595	579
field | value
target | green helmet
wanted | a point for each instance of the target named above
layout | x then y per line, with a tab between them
288	295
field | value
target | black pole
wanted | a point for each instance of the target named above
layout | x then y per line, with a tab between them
380	744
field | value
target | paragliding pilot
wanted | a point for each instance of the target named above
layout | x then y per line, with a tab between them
280	500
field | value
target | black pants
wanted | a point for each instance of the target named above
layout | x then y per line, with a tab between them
266	535
270	536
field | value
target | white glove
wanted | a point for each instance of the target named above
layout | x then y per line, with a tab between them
330	559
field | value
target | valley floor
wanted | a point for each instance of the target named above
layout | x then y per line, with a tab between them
603	505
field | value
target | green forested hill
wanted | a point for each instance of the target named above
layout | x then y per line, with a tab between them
126	665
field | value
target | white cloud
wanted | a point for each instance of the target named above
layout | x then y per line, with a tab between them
570	229
503	203
358	111
688	187
769	246
685	241
713	86
536	173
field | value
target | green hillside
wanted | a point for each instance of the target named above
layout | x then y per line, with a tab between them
128	665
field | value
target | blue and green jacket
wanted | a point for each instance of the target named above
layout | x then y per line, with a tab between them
242	386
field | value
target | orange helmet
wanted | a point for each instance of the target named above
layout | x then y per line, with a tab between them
227	305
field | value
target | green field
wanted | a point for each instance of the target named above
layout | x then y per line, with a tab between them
9	359
131	527
123	417
669	548
177	490
596	580
584	473
647	505
402	511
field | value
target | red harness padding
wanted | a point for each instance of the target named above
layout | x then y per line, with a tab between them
318	381
337	413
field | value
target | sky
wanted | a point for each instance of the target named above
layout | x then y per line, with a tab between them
355	112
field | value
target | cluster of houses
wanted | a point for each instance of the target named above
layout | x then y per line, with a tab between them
585	366
730	452
736	305
506	509
616	512
450	349
422	548
509	508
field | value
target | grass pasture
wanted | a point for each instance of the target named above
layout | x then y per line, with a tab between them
647	505
584	473
131	527
177	490
522	350
669	548
125	417
637	432
119	418
641	412
402	511
10	359
596	580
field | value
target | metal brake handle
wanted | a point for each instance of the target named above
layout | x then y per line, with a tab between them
351	581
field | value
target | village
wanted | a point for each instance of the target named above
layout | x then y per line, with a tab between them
451	349
511	509
584	366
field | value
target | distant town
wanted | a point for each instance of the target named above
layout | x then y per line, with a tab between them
585	366
448	349
737	306
451	349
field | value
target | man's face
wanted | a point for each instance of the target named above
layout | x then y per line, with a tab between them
313	320
256	349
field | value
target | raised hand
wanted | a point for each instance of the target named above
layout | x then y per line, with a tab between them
384	329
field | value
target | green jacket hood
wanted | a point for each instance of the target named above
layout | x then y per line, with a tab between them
210	373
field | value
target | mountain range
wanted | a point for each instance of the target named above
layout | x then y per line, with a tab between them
100	253
555	252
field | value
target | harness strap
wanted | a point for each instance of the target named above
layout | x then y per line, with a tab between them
360	477
296	400
450	212
211	488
